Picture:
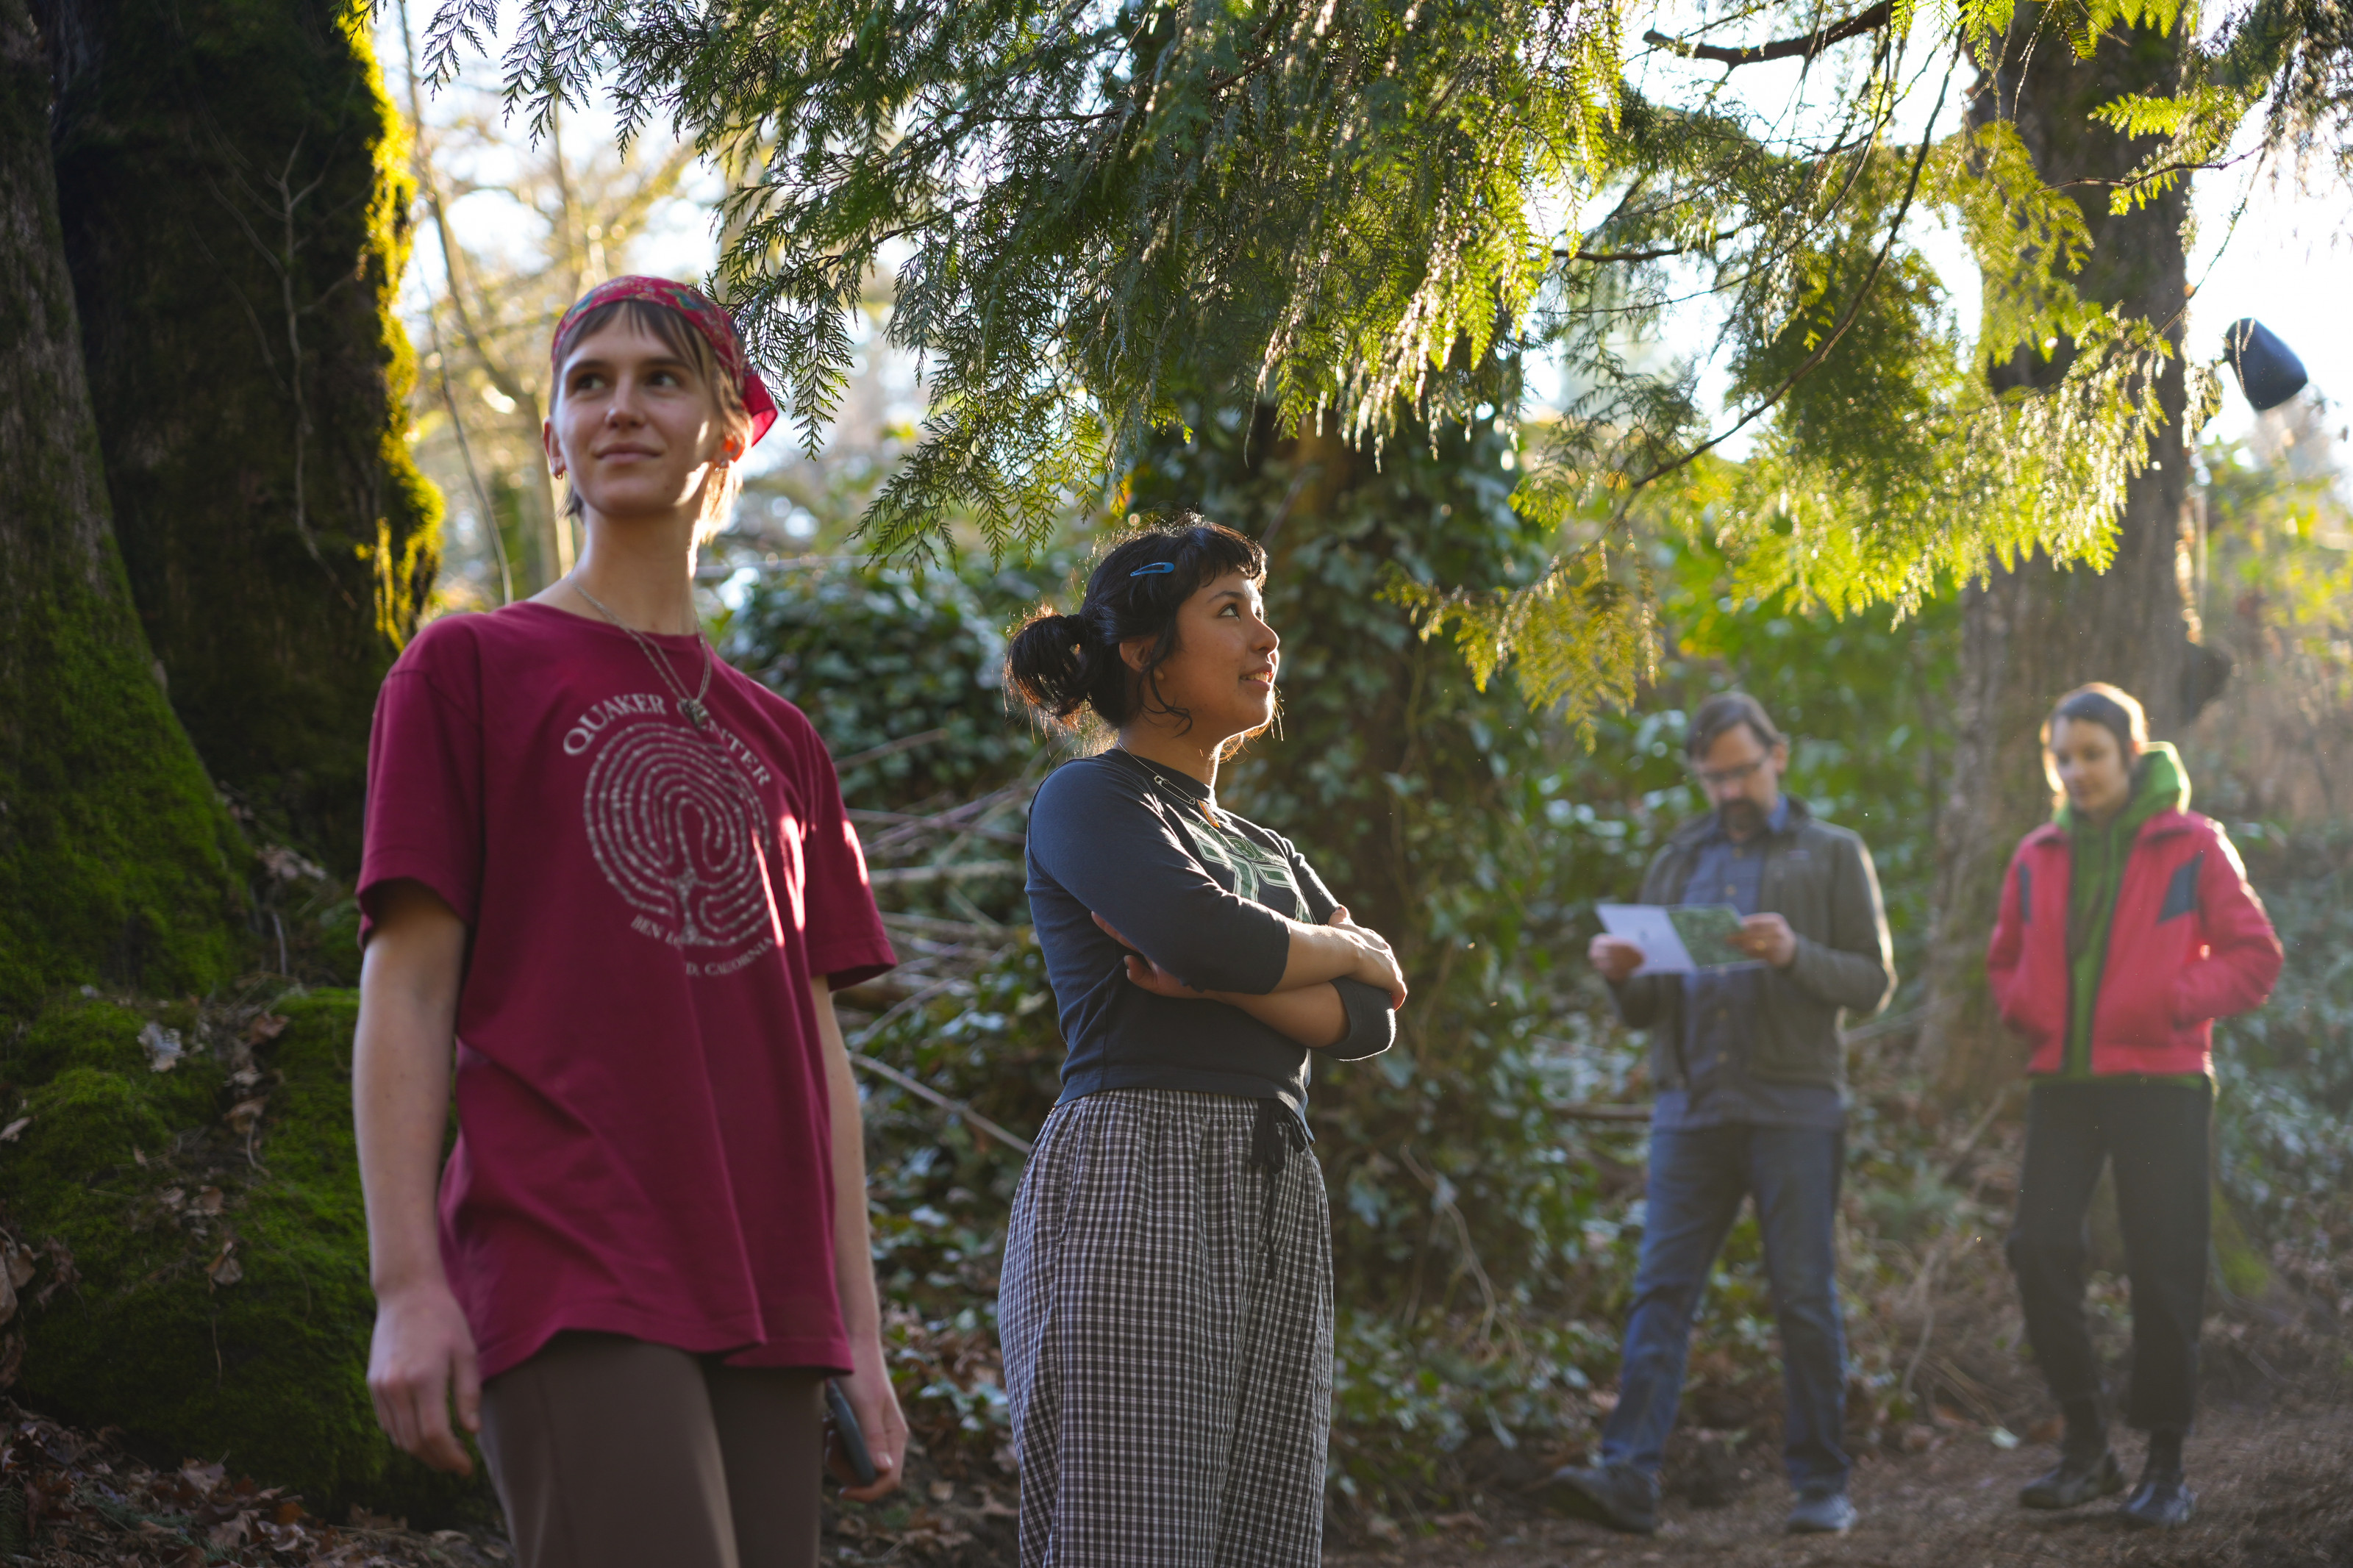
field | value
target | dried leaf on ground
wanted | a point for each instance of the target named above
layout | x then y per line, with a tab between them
162	1046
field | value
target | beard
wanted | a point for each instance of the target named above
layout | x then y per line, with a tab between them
1741	818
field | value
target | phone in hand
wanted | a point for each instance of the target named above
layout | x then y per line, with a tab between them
846	1435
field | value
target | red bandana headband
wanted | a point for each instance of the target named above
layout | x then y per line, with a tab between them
718	329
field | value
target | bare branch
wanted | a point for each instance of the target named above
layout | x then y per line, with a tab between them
1662	251
1804	46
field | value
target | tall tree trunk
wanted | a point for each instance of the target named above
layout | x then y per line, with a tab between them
116	860
234	191
2030	633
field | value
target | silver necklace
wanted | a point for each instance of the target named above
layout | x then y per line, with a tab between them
690	706
1208	807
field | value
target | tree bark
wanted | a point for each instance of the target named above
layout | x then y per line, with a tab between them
234	192
117	862
2031	632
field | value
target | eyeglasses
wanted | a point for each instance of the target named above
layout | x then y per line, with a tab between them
1717	778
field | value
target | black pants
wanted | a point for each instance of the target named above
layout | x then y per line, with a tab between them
2156	1134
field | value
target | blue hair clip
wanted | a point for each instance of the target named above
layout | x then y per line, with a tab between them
1155	566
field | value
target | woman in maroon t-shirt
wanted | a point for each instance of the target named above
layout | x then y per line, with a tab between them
613	877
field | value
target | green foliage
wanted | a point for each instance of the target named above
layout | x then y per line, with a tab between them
203	1283
942	1191
1123	221
2287	1070
1311	202
2282	556
2279	584
1582	639
2292	58
877	654
1892	465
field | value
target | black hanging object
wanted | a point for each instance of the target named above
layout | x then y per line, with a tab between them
2269	372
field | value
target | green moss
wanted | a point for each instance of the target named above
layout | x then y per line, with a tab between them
280	541
266	1370
117	862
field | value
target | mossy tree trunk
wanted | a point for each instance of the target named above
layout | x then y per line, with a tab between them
235	198
2030	633
116	860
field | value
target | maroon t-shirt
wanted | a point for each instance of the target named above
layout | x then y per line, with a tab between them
643	1143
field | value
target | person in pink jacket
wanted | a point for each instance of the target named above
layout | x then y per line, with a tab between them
2126	928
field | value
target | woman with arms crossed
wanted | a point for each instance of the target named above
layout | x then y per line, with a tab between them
1167	1304
2126	928
614	876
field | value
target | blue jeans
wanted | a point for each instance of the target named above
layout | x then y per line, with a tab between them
1698	1178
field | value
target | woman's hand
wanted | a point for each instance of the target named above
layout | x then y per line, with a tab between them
876	1405
420	1361
1376	963
868	1387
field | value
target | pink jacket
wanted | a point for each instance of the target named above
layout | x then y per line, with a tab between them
2189	944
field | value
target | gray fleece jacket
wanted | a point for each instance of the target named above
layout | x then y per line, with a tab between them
1820	879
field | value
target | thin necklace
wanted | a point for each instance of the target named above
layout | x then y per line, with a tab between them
1208	807
690	706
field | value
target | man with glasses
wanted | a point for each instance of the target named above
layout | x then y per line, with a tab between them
1749	1079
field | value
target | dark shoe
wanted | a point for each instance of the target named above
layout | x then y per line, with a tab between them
1830	1513
2160	1505
1618	1496
2076	1481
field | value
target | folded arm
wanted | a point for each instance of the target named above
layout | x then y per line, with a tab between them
1113	853
1347	1016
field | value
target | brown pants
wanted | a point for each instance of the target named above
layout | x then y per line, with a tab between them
612	1453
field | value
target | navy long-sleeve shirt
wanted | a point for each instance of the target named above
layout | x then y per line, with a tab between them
1198	891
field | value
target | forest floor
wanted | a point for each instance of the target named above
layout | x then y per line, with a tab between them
2272	1463
2275	1487
2275	1483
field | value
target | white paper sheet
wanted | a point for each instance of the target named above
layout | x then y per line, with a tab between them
1647	928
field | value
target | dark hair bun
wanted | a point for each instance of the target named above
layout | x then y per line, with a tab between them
1047	662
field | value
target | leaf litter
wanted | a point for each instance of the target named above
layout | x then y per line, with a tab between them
68	1500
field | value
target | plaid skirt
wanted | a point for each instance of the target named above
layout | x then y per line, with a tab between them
1167	1319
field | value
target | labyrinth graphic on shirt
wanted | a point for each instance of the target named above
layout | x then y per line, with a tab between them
682	835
